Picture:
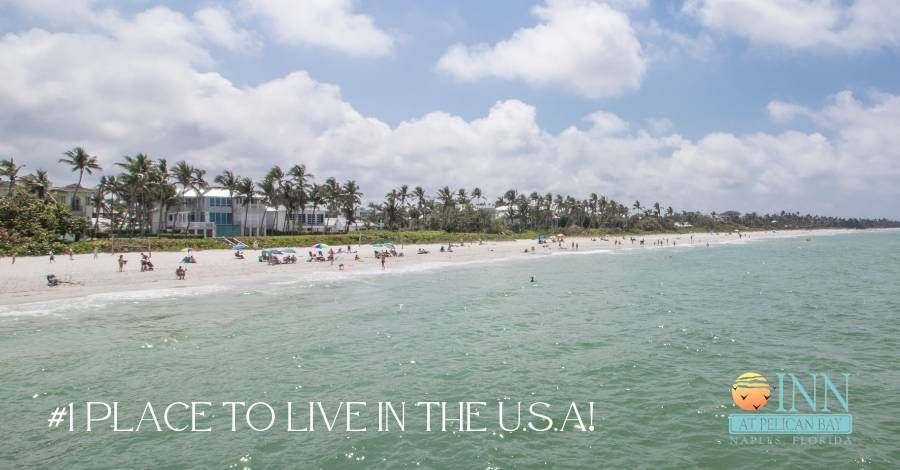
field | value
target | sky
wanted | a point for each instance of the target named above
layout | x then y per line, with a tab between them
751	105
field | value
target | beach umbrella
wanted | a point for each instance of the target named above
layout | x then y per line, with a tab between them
320	246
288	250
276	252
239	246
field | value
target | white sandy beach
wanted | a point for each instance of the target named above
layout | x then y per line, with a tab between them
25	281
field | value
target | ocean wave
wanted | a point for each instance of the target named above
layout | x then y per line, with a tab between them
59	307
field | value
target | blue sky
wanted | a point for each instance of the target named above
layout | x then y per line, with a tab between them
762	105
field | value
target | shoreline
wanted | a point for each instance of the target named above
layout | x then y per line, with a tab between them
25	283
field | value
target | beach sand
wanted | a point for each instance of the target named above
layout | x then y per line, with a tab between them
25	281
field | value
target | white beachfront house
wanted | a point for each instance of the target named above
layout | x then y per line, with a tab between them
312	219
212	213
216	213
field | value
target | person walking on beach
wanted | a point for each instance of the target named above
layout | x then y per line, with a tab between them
52	257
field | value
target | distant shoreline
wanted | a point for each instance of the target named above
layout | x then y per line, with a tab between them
25	282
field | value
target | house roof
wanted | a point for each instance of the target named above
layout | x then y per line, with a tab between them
212	192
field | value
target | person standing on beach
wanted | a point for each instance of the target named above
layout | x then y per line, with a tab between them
122	262
95	252
382	260
14	257
71	254
52	257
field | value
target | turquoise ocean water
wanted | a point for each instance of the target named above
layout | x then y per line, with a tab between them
653	337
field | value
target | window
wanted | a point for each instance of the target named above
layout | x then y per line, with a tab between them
76	204
220	218
219	202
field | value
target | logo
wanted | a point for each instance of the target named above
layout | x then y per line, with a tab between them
814	406
750	391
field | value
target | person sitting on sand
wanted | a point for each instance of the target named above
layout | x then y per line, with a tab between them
442	248
341	267
180	272
356	258
52	281
239	254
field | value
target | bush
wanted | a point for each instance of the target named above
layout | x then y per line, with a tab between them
31	226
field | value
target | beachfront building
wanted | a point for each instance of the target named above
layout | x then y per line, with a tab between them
212	213
312	219
79	202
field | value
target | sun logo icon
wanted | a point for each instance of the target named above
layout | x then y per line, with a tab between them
750	391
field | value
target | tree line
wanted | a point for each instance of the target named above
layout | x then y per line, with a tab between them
127	200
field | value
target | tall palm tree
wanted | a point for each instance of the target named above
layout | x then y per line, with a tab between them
275	177
164	188
300	179
270	194
244	188
229	181
332	196
351	199
316	197
81	162
447	200
421	200
10	170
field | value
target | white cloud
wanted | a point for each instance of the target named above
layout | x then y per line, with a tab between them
331	24
583	46
802	24
218	25
155	90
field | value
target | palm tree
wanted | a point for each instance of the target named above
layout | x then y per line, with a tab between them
421	200
270	193
445	196
244	188
332	196
350	201
81	162
229	181
276	177
183	174
300	189
163	183
9	169
100	200
136	182
316	197
390	209
40	185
